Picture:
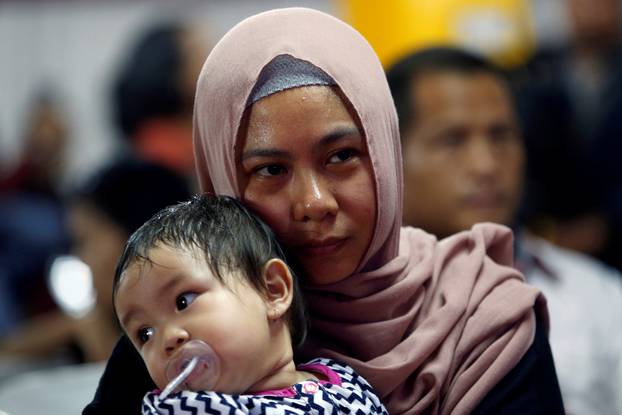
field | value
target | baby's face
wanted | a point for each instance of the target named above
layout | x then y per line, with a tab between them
176	298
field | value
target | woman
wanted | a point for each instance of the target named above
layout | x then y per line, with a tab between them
294	117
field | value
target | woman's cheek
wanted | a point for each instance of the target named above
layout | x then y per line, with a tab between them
273	210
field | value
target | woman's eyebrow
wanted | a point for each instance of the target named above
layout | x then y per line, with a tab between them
264	152
338	134
327	140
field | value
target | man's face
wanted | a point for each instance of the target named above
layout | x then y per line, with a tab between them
463	155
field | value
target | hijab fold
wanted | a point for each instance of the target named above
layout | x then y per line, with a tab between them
433	325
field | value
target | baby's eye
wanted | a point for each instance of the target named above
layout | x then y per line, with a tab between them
144	334
184	300
342	155
271	170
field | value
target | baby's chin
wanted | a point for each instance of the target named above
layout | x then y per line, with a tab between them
160	384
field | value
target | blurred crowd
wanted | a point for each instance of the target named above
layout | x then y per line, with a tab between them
546	163
151	98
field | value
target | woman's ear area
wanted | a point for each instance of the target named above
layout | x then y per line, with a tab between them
279	284
238	148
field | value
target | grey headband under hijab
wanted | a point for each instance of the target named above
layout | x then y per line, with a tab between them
286	72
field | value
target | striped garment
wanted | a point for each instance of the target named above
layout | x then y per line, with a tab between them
345	392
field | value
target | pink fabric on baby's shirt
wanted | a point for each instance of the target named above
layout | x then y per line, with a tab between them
331	378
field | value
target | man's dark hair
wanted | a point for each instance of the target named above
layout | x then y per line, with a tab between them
148	83
407	71
230	238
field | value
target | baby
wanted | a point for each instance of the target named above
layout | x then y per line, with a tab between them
203	292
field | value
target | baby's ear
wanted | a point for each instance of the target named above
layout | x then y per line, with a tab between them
279	287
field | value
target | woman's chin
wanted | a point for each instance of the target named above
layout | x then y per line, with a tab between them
325	273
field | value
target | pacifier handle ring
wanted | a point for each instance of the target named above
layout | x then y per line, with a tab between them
173	384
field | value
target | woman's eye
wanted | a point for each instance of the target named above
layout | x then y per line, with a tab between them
144	334
271	170
342	155
184	300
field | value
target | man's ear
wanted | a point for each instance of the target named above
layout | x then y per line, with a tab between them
279	288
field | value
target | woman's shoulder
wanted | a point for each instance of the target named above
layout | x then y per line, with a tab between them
416	241
490	239
531	387
486	230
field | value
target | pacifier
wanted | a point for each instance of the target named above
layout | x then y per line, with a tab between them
195	366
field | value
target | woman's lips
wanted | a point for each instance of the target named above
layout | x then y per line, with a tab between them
324	247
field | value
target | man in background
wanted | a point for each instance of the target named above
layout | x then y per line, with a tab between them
464	162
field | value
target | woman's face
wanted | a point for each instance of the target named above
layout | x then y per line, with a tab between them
303	166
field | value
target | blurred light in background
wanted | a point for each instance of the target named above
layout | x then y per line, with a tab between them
71	285
500	29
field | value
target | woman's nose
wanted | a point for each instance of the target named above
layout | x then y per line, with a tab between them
314	200
174	337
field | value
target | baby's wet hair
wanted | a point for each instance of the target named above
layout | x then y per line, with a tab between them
230	238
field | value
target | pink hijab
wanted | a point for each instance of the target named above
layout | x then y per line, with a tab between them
432	325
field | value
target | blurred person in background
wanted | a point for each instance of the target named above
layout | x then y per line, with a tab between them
464	162
102	214
153	95
571	108
32	228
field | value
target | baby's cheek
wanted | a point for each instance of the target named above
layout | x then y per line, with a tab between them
159	379
156	371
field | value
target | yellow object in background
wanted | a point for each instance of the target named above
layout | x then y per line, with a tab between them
500	29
